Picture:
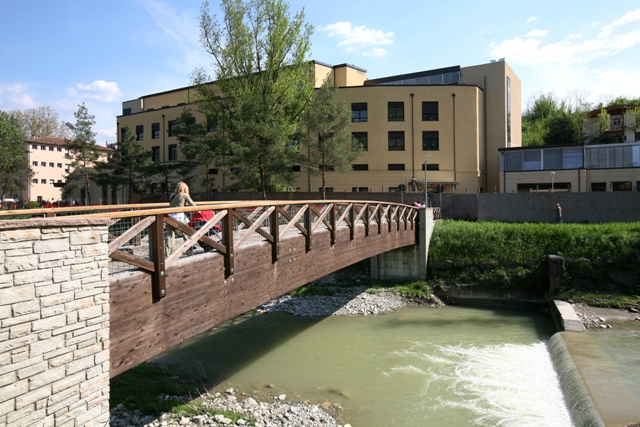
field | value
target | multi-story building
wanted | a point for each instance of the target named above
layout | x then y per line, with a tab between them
49	160
450	120
620	130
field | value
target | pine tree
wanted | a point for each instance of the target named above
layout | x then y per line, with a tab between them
83	151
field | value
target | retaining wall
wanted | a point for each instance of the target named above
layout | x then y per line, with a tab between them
54	323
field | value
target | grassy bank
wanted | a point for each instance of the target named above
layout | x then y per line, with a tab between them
602	260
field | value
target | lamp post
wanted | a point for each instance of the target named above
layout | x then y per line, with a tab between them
552	175
426	197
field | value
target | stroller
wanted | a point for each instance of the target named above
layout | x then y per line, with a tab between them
200	218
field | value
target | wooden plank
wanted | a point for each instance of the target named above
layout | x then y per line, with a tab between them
195	236
275	232
343	215
294	220
289	218
250	217
130	233
227	236
258	230
321	216
351	222
308	241
148	266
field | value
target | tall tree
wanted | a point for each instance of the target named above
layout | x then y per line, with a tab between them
632	119
603	122
124	166
83	150
41	121
263	84
15	171
329	142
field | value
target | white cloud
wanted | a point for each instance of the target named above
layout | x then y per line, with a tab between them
537	33
615	37
361	38
530	20
16	97
182	26
575	36
99	90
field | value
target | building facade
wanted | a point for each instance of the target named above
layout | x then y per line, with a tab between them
50	161
450	120
571	167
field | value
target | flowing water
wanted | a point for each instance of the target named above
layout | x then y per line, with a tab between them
414	367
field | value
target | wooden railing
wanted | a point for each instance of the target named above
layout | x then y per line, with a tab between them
239	223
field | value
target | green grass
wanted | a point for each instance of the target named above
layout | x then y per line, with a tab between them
600	299
498	242
139	388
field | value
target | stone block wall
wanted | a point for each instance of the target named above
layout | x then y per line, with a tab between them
54	323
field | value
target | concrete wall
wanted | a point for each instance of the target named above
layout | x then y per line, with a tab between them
576	207
54	323
409	262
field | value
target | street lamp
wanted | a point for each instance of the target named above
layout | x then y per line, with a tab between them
552	175
426	197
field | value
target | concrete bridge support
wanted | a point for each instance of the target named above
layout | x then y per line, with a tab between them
54	322
409	262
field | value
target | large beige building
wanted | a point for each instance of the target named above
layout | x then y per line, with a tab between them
456	117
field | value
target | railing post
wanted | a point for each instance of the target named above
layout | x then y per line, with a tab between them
389	219
366	219
332	221
275	232
352	217
308	225
227	235
379	218
158	277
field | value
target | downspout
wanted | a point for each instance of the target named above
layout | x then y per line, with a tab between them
413	143
486	160
455	179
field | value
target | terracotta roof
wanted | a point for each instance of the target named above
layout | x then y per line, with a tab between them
57	141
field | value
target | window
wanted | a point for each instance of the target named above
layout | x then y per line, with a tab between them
43	148
598	186
34	163
213	171
295	168
212	124
172	127
396	111
43	181
126	111
155	154
395	166
173	152
155	130
637	138
43	164
52	165
362	138
140	133
328	189
326	168
430	140
621	186
34	181
66	168
59	149
432	167
359	112
532	160
50	148
429	111
123	133
360	167
52	181
236	170
60	165
35	147
396	141
60	181
360	189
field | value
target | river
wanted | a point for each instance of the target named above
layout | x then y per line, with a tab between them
414	367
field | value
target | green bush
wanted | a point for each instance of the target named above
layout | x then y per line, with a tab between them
31	205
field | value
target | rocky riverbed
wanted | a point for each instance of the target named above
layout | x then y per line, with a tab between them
598	317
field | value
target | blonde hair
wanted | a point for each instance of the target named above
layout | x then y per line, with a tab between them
181	187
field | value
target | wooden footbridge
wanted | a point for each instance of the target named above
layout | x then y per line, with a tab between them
245	255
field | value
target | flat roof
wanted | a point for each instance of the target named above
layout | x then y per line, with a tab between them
413	75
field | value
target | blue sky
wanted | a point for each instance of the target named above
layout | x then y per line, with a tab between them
64	52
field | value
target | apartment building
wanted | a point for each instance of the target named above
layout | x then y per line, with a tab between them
49	159
450	121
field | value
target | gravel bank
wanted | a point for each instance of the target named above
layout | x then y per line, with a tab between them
259	414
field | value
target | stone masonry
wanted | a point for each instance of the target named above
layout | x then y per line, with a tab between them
54	322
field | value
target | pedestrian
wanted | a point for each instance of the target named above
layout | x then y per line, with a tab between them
178	199
558	213
414	185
